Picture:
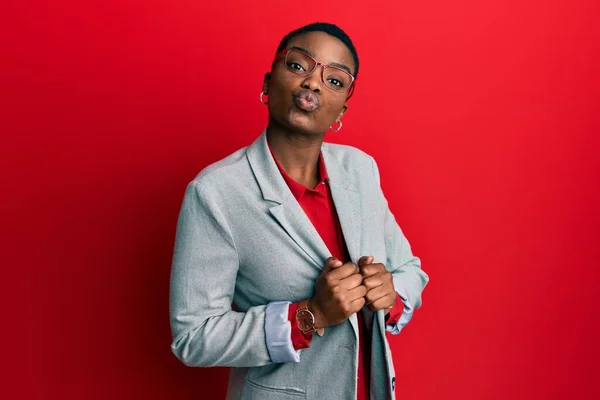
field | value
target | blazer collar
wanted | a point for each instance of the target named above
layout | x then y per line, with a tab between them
271	183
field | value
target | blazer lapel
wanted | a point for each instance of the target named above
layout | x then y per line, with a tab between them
285	210
347	203
292	218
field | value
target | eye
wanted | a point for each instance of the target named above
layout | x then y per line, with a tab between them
296	66
335	82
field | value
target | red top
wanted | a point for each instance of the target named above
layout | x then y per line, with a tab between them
318	205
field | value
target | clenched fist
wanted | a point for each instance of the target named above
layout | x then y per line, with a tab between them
339	293
379	284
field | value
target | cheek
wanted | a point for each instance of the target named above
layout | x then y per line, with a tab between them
331	111
283	84
334	100
280	97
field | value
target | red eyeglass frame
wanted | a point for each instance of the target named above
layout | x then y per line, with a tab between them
352	84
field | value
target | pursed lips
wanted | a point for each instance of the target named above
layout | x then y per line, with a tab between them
306	101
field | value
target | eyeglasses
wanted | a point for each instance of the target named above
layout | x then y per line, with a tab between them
300	63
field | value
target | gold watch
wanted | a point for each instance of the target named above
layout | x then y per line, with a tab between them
306	320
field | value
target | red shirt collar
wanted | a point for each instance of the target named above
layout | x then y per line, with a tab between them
297	189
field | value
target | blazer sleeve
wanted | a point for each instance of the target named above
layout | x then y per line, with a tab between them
409	279
205	330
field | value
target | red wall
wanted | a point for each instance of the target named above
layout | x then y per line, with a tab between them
484	118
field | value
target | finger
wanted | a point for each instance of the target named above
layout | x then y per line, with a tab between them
364	260
350	282
358	292
382	304
357	304
373	281
376	294
344	271
332	263
371	269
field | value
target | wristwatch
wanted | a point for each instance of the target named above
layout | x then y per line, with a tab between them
306	320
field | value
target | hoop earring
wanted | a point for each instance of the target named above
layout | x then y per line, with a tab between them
262	97
338	128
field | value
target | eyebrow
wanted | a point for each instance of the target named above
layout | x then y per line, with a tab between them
303	50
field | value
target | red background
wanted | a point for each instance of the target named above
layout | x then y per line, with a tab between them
484	118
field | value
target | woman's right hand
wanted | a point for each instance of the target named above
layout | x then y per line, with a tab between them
339	293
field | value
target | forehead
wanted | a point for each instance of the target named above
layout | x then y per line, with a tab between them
325	48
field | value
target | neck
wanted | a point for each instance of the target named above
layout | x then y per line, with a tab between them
297	152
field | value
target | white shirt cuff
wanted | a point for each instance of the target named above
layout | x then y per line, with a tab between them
278	333
407	313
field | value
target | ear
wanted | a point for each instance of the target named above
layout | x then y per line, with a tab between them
266	82
341	114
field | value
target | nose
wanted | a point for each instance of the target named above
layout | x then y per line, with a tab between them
314	80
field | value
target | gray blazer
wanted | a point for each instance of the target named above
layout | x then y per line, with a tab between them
243	239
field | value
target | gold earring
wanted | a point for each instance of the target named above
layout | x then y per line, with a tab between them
262	97
338	128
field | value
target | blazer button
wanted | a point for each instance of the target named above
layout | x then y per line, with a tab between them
394	383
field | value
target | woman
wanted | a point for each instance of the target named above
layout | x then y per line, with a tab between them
297	236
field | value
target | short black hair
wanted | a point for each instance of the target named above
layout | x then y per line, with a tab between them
327	28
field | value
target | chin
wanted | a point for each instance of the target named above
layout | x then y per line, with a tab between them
306	130
302	124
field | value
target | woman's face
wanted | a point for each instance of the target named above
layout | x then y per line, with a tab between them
303	103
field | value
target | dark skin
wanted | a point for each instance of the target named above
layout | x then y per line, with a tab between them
295	136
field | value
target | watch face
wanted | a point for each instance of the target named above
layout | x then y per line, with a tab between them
306	321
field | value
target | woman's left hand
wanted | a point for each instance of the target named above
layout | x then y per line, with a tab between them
380	286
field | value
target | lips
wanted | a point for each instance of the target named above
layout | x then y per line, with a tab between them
306	101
